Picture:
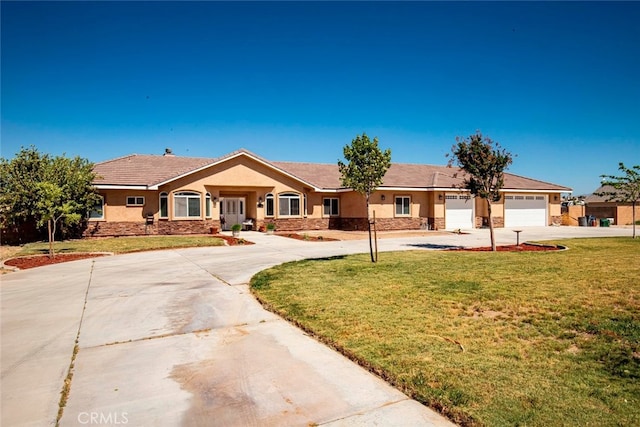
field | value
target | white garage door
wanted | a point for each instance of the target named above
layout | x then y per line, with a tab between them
523	210
458	211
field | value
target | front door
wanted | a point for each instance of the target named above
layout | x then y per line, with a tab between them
232	210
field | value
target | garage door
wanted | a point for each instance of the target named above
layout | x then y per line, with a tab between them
458	211
525	210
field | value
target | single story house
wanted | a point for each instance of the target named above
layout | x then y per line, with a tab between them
601	207
169	194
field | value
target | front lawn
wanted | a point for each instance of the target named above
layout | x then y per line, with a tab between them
537	338
119	245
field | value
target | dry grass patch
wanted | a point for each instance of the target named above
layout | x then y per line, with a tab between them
486	338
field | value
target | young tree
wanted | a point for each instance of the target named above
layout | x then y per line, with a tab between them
623	189
483	162
366	167
41	190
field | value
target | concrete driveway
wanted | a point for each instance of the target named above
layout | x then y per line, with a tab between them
172	338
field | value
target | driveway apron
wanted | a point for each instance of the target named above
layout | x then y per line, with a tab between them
175	338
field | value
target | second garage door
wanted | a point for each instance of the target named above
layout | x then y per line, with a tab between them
525	210
458	211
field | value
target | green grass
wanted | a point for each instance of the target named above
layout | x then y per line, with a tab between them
120	245
496	339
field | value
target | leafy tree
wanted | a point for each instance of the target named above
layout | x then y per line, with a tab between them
40	190
623	189
483	162
366	167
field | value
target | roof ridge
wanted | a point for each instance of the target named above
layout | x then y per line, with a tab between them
117	158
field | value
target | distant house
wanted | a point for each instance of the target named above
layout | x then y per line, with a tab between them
168	194
600	207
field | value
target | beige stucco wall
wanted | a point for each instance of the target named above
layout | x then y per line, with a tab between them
250	179
116	209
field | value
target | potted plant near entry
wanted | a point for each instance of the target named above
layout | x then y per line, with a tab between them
235	230
271	227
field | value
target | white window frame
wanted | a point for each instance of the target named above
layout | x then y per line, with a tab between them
207	205
285	202
269	205
408	206
135	201
334	202
164	196
188	196
91	216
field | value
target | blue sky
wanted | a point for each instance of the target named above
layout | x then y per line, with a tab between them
557	84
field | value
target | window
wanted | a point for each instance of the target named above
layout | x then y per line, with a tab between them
207	205
449	197
403	206
135	201
289	204
330	207
97	211
164	205
269	205
305	205
186	205
539	197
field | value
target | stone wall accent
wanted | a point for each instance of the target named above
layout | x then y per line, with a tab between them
556	220
141	228
436	223
481	221
498	222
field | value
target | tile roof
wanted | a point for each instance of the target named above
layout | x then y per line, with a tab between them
593	198
153	170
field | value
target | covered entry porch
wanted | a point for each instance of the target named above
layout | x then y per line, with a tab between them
240	206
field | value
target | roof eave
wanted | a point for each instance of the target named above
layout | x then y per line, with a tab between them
121	187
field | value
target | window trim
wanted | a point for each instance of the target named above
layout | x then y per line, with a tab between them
289	195
269	204
207	206
97	218
395	206
164	195
137	201
188	195
330	206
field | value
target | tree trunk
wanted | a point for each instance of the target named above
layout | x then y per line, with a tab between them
50	232
369	226
633	217
493	239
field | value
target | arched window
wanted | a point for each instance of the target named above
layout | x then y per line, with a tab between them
269	205
186	204
97	211
207	205
164	205
289	204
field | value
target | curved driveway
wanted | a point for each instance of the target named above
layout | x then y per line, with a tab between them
174	338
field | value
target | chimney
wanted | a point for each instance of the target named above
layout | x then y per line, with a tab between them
168	152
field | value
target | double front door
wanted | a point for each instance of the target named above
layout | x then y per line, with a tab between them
232	209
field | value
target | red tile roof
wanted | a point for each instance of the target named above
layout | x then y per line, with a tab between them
152	170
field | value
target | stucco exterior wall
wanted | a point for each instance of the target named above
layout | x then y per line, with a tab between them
622	213
251	180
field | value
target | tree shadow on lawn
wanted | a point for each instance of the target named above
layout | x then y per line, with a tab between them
434	246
